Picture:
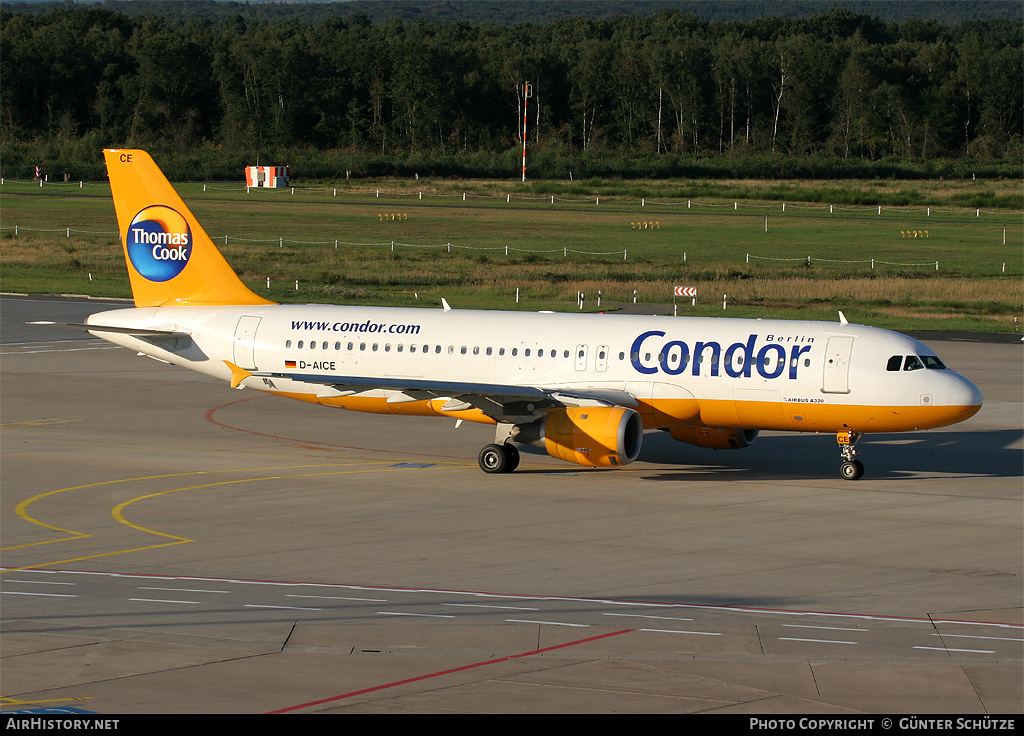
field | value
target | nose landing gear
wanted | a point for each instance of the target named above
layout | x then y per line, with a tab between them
851	468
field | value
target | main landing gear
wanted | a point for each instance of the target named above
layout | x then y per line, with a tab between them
851	468
499	458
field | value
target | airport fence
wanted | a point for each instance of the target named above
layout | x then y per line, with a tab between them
507	250
903	212
509	198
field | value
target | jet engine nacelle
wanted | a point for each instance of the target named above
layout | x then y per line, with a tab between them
714	437
596	436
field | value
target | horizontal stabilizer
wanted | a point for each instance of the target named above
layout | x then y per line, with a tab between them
133	331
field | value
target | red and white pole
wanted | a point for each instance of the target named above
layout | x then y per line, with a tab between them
527	93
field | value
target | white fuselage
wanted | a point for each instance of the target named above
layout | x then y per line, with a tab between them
762	374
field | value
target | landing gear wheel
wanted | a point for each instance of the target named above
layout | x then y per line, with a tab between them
493	459
511	456
851	469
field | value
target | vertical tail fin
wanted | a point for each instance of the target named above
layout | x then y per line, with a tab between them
171	260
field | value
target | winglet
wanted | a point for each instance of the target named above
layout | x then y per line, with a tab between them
842	318
237	374
444	305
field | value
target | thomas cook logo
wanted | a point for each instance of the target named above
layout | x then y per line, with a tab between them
159	243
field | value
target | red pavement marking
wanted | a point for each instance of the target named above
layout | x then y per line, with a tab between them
448	672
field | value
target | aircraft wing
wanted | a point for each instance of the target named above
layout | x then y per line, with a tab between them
501	402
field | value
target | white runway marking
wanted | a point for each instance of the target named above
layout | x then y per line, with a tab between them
973	636
818	641
48	595
337	598
826	628
162	600
640	615
499	608
285	608
186	590
962	651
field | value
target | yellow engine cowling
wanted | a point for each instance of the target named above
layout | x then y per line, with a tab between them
715	437
595	436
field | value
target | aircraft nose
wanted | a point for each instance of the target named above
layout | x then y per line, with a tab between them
964	397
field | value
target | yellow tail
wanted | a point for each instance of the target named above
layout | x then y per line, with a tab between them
171	259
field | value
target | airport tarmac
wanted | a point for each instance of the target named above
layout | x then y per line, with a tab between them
170	545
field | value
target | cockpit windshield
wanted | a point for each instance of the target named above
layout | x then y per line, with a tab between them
914	363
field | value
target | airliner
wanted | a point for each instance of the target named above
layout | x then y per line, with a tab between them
583	387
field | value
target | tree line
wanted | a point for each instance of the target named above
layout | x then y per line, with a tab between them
512	12
659	91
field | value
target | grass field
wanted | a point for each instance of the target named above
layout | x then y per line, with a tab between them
337	244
